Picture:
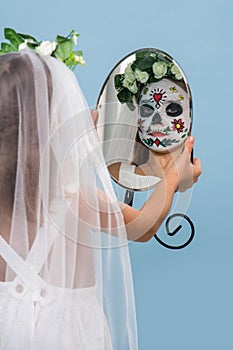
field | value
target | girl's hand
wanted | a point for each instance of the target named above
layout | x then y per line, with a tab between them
94	114
184	171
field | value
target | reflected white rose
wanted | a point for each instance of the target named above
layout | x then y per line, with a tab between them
175	70
130	85
142	77
129	74
159	69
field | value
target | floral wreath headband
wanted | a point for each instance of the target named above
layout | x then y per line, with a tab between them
148	67
62	47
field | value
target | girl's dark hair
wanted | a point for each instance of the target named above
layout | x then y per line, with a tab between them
141	152
17	84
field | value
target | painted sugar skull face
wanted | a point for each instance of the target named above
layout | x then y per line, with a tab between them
164	115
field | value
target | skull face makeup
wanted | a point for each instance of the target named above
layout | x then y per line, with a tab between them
164	115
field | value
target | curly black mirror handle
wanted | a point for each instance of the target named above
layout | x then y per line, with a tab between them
129	196
175	231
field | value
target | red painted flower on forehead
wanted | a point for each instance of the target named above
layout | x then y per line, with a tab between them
178	125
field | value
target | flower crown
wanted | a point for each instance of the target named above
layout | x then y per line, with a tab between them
61	47
148	67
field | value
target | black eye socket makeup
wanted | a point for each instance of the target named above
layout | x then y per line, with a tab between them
174	109
146	110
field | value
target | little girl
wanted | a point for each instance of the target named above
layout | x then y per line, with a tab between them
65	273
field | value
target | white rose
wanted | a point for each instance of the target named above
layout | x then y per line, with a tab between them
130	85
175	70
159	69
153	55
141	76
79	59
129	81
46	48
129	74
24	45
75	39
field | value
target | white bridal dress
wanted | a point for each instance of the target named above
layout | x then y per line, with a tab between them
68	280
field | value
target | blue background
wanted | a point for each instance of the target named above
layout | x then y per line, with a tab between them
184	298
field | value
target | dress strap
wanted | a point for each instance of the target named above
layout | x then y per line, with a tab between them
19	266
44	240
28	269
40	249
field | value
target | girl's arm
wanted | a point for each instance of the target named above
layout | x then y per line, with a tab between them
141	225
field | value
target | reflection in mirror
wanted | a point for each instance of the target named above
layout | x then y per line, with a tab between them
145	115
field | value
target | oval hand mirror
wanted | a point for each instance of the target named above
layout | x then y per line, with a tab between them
144	117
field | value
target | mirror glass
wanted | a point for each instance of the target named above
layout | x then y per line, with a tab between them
144	117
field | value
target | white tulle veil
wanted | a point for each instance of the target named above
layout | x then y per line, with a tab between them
54	184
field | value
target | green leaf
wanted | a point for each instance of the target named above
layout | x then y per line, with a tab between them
169	73
78	52
32	45
164	58
63	49
145	90
60	39
118	81
7	47
130	106
142	54
13	37
26	36
130	103
138	94
152	79
73	32
70	61
136	64
145	63
125	96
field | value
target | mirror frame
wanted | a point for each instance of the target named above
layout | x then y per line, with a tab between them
152	50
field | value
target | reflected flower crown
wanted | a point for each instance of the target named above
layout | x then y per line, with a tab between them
62	47
148	67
